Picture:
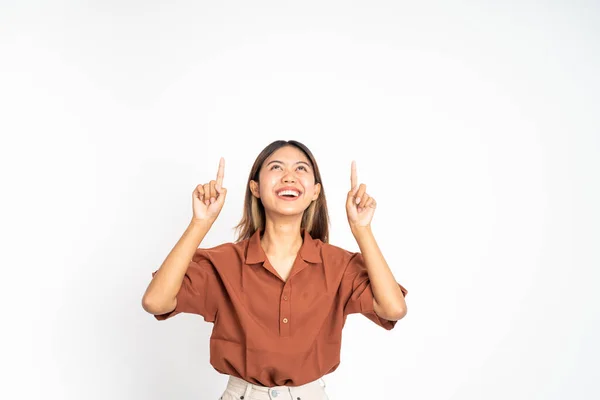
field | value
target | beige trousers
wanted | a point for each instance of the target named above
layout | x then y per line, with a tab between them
239	389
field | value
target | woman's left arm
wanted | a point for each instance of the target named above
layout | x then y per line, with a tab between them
388	299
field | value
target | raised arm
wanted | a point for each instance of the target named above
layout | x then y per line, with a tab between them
388	299
207	201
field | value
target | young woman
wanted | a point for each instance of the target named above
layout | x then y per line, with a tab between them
279	296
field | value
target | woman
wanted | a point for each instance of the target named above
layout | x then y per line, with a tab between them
279	296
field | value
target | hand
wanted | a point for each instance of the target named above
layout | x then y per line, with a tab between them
208	199
360	207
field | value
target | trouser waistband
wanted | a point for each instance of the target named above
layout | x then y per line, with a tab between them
239	383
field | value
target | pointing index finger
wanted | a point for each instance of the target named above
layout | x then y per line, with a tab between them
353	178
221	172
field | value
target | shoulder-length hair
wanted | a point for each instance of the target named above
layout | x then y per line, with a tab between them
315	219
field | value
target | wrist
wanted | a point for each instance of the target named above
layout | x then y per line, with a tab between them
361	230
200	223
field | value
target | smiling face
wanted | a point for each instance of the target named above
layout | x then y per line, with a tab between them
286	182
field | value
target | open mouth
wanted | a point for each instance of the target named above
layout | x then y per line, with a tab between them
288	194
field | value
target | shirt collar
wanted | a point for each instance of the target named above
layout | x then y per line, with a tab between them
309	250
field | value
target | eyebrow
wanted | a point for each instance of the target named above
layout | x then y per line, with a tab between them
281	162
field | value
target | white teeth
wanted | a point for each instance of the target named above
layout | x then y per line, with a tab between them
288	192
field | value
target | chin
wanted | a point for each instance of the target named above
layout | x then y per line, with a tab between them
289	211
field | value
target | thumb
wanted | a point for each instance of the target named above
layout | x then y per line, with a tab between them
350	199
222	193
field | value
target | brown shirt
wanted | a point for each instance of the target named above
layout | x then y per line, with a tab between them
272	332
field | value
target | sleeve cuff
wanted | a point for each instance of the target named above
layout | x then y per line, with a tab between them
368	310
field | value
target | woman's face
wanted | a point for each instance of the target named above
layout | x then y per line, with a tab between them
286	182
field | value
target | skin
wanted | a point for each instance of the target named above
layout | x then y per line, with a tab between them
288	166
207	201
388	299
282	240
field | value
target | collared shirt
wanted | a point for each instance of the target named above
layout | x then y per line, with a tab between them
272	332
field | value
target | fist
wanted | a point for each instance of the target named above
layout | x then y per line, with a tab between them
360	206
208	198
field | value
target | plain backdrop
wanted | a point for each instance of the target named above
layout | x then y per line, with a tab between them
475	125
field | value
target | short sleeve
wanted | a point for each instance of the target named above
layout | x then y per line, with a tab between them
197	292
357	287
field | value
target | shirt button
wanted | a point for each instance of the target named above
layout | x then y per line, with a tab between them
285	297
274	393
285	320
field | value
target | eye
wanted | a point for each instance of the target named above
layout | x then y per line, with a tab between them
275	166
303	167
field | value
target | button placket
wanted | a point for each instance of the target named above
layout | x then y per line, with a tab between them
285	307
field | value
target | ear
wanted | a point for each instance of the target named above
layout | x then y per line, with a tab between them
317	191
254	189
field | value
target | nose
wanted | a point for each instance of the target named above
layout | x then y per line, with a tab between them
288	177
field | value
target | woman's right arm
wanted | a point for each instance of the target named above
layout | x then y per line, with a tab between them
207	201
161	294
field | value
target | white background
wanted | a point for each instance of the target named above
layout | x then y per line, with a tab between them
475	126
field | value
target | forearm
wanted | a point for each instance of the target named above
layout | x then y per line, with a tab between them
160	296
386	290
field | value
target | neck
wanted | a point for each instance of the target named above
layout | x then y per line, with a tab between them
282	238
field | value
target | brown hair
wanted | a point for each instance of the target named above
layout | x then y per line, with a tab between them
315	219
